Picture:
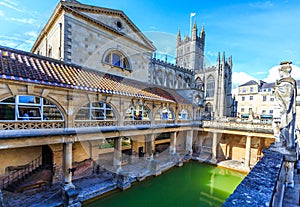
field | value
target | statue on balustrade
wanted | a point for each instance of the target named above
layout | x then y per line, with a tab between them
285	92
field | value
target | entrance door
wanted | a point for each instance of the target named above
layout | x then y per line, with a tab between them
47	157
141	151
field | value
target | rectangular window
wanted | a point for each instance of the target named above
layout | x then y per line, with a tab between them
271	99
251	98
251	89
264	98
271	111
263	111
242	110
244	90
243	98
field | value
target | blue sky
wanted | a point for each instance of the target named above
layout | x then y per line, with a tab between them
257	34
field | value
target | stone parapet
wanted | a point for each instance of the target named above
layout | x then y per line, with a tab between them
261	184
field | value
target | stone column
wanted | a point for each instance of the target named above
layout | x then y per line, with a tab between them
150	144
117	153
173	143
248	153
67	156
214	148
189	142
69	193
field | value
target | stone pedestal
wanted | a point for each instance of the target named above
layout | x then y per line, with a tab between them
155	167
123	181
70	196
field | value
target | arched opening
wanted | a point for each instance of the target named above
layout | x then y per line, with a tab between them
207	115
96	111
210	87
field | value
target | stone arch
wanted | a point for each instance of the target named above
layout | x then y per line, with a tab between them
199	83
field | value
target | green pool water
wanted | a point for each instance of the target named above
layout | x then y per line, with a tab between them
194	184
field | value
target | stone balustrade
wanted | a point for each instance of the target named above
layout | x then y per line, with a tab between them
240	126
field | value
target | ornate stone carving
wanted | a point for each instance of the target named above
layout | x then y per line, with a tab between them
285	93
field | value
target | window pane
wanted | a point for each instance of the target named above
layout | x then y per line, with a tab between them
51	113
107	59
116	60
29	99
7	112
9	100
29	113
83	114
98	114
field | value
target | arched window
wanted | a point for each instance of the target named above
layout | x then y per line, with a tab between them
138	112
210	87
164	114
184	115
29	108
116	58
96	111
198	83
208	111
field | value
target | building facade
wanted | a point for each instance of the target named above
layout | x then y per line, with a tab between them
256	101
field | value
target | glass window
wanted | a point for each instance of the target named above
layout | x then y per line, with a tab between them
95	111
264	98
164	114
29	108
184	115
243	98
271	99
271	111
251	98
210	87
117	59
138	112
251	89
242	109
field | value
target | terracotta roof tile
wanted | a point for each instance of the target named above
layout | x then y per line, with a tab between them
27	67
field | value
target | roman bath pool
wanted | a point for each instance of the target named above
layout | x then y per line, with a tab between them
194	184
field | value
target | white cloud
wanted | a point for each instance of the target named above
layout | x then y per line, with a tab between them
10	5
239	78
31	34
274	74
1	13
22	20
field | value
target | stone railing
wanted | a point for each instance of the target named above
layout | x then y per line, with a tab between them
263	185
96	123
27	125
240	126
136	122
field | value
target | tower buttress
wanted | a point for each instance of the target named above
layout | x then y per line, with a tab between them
194	32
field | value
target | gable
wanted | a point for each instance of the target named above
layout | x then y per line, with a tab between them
114	21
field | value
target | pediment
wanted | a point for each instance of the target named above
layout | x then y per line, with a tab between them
114	21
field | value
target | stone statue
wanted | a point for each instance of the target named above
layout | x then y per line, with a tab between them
285	93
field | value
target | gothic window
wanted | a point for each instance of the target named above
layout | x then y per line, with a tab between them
184	115
96	111
117	59
188	81
207	111
164	113
210	87
29	108
179	81
170	80
138	112
198	83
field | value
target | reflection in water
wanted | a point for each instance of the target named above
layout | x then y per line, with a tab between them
194	184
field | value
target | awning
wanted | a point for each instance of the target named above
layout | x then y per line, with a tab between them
245	115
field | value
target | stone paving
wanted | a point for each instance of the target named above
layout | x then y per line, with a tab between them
291	195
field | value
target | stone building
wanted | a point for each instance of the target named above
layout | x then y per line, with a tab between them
256	101
91	81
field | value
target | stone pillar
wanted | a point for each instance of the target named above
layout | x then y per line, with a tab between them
117	153
67	156
214	148
69	193
150	144
189	142
248	153
173	143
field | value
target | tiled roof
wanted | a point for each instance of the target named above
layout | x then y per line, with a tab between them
268	85
249	83
27	67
